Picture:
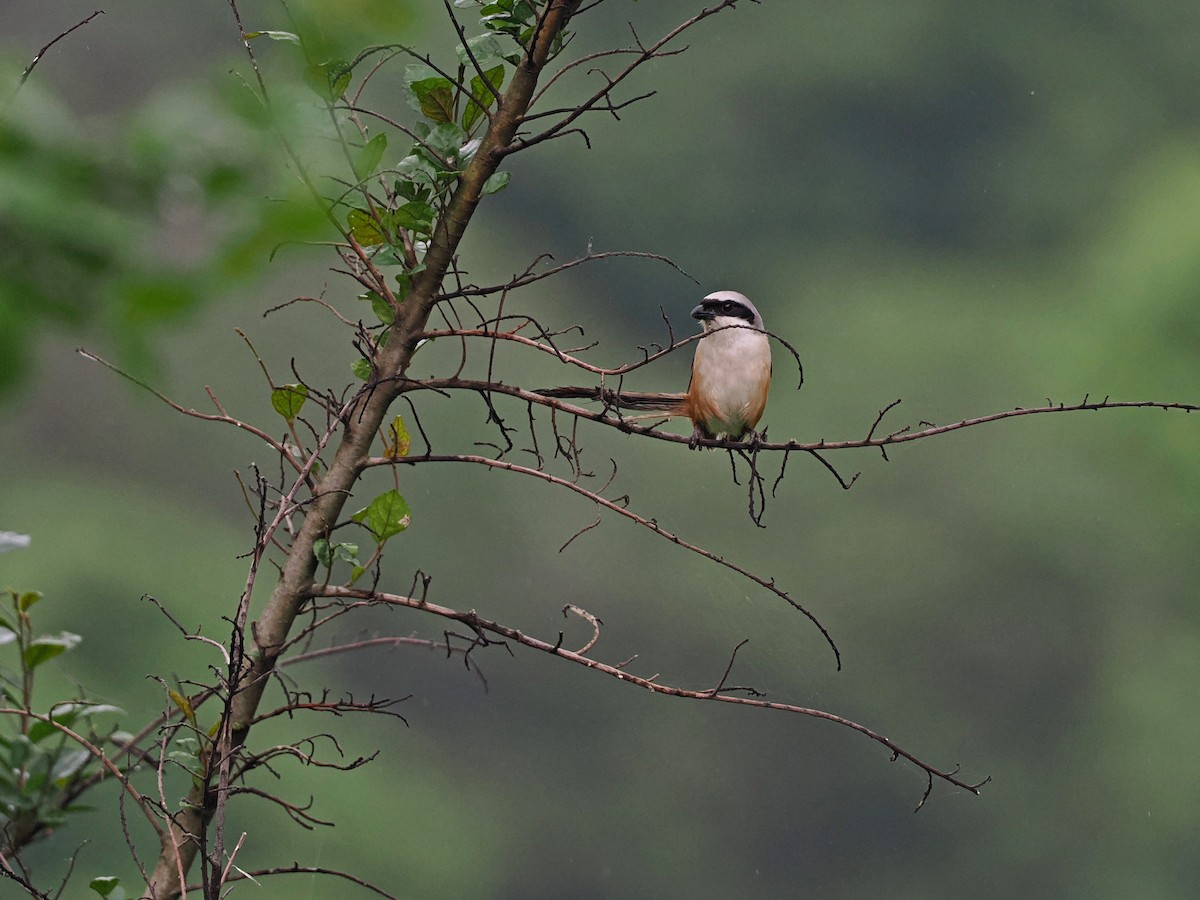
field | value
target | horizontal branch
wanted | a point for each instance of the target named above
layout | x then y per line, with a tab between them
473	621
902	436
297	869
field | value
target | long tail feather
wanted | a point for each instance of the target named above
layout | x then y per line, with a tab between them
668	403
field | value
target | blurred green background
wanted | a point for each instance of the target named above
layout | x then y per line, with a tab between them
971	206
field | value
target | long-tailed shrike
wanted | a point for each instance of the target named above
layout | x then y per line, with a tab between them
731	373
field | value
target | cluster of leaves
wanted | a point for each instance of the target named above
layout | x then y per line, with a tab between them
39	763
389	207
515	18
388	210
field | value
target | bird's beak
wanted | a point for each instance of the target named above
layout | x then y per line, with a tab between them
701	313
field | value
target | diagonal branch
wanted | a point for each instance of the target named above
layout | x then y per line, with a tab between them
38	56
478	624
361	420
767	583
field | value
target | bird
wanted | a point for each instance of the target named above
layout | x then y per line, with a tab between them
731	374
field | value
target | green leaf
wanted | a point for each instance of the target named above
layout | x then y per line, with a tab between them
187	754
411	190
485	48
51	817
67	714
417	170
389	255
107	886
415	216
288	399
364	228
20	750
361	369
328	80
45	648
482	97
437	103
498	181
370	155
379	304
356	573
274	35
27	599
68	765
512	17
185	705
327	554
445	140
397	441
387	515
431	93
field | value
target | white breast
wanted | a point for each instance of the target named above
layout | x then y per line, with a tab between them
736	367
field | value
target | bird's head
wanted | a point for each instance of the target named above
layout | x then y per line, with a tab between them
723	308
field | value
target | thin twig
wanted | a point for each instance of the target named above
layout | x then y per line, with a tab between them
38	56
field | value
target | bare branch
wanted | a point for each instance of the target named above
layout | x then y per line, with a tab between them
810	447
651	524
38	56
7	871
297	869
479	624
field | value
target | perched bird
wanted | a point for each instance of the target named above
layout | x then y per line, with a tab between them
731	374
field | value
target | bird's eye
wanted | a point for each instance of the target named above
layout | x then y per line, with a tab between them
727	306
